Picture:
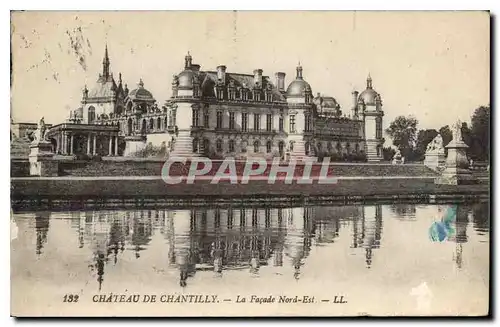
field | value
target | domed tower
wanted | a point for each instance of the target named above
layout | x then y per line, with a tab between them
370	107
185	105
299	98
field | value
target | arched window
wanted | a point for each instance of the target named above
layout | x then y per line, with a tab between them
329	147
269	146
195	145
91	114
143	127
165	122
129	106
357	147
218	145
158	124
151	124
206	146
231	145
320	146
129	126
281	148
256	146
306	146
244	145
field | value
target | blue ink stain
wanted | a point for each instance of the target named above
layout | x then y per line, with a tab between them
442	230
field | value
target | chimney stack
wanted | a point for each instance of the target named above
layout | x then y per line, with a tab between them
280	81
257	77
355	98
221	74
355	104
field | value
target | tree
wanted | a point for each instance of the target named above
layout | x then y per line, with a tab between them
424	137
480	134
446	134
403	132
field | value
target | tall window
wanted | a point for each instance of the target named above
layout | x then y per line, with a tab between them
269	122
195	117
158	123
218	145
308	122
256	146
306	148
269	146
206	146
231	120
378	128
91	114
195	146
281	124
151	124
244	121
173	121
256	122
292	124
231	145
219	119
206	118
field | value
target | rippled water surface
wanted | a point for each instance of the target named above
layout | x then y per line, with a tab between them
378	259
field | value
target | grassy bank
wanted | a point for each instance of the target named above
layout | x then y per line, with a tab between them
68	188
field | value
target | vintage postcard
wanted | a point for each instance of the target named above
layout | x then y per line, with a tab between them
250	163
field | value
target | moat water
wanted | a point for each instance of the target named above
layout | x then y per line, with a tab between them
348	260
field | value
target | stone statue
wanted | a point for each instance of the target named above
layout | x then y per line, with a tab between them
436	145
40	133
175	80
457	131
398	158
434	154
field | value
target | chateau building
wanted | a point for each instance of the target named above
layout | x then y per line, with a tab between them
222	114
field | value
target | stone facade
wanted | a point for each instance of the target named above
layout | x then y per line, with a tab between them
220	114
242	115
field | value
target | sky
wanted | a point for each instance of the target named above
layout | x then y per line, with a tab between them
432	65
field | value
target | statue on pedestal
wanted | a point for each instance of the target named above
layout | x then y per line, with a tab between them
40	134
457	165
434	154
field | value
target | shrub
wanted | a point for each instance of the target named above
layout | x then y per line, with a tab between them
152	151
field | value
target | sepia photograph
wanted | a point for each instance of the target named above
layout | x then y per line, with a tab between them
250	163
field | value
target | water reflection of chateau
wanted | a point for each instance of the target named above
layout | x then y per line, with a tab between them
231	238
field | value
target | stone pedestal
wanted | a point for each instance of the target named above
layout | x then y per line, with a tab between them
456	169
41	160
134	144
435	160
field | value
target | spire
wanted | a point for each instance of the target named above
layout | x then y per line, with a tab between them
105	63
299	71
369	82
141	83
